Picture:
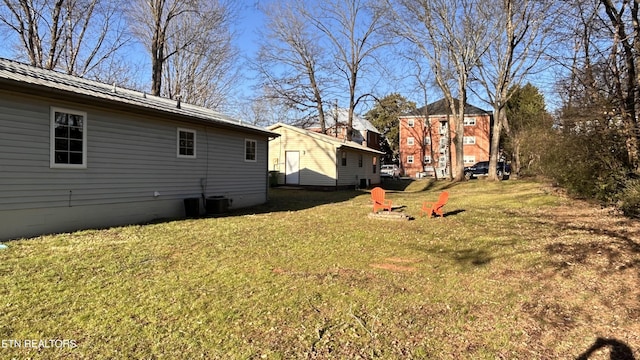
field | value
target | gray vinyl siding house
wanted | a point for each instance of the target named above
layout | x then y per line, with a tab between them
78	154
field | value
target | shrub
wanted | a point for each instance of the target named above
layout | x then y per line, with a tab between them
629	199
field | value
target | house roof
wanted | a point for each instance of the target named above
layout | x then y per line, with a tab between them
359	123
19	77
338	143
441	107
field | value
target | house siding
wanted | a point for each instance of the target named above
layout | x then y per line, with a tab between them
352	173
317	160
320	159
129	157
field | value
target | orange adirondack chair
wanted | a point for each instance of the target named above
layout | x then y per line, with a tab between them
435	207
377	196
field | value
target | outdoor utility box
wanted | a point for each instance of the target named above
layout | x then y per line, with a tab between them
217	205
192	207
273	178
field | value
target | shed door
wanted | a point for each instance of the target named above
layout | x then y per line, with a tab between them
292	167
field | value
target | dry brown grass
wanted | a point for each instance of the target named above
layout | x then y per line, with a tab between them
513	271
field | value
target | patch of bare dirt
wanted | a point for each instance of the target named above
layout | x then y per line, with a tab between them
396	264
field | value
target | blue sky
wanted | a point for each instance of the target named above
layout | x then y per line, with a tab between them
250	20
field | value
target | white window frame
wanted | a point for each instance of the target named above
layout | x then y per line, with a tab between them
471	121
410	141
52	132
411	122
469	159
255	147
427	159
410	159
185	130
469	140
443	128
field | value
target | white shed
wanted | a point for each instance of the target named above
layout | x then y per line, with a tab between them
306	158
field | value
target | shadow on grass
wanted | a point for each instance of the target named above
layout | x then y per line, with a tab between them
469	257
618	350
291	199
398	184
617	242
453	212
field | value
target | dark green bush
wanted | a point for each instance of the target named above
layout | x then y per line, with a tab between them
589	164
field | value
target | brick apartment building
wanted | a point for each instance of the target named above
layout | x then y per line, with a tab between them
427	147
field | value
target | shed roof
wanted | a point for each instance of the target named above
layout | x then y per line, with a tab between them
19	77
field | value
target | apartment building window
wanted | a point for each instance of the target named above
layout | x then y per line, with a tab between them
469	140
443	128
410	141
469	121
410	159
427	159
410	122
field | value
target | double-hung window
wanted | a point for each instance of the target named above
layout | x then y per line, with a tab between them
250	150
186	143
68	139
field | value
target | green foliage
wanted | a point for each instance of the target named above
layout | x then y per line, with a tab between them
529	127
589	164
629	199
526	108
384	116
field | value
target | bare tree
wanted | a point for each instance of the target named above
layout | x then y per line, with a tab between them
76	36
449	35
291	60
185	28
424	132
519	41
203	72
264	111
624	23
354	29
603	87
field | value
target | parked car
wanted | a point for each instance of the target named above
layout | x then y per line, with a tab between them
482	169
392	171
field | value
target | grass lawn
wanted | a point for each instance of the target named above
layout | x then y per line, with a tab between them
514	271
